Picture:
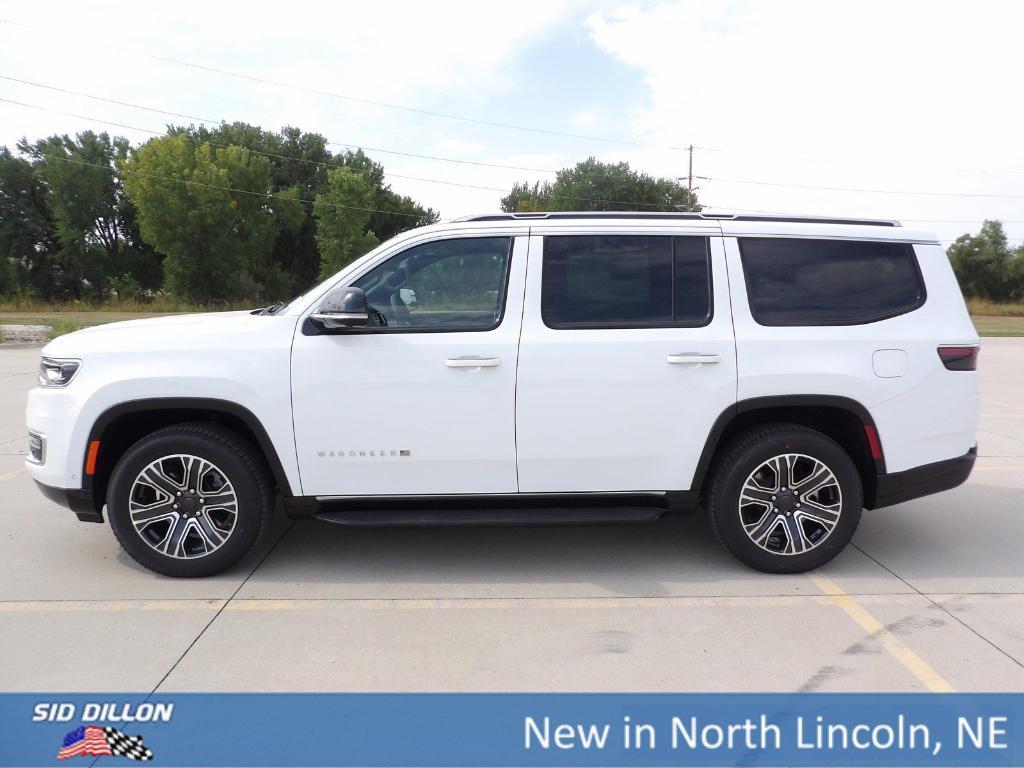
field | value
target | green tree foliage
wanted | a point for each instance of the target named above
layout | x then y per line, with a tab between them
95	224
299	164
342	214
986	266
28	239
393	213
596	186
209	212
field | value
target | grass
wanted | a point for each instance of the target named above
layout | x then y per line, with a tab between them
158	305
985	308
999	326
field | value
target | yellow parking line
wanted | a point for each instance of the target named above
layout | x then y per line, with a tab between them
917	666
87	606
996	402
13	474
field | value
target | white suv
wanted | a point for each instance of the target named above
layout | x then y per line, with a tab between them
780	373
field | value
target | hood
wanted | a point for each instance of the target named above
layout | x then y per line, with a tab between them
208	330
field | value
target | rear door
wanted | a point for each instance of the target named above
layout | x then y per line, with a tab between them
843	311
626	359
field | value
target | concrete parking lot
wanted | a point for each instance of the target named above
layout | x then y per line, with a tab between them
929	597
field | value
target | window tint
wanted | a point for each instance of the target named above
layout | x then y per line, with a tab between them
451	285
625	281
829	282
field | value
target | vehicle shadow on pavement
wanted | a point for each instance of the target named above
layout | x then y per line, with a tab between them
678	555
673	556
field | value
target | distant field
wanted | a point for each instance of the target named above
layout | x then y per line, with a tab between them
67	322
999	326
990	319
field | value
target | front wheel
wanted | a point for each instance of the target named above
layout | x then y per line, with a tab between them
189	500
785	498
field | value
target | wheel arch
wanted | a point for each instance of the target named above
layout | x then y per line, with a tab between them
120	426
844	420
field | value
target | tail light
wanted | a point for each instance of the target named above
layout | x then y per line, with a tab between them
959	358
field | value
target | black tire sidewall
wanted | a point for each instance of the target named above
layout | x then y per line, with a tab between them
730	482
250	513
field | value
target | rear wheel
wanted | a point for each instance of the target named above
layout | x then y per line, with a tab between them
189	500
785	498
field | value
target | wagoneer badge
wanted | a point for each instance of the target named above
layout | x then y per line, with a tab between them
377	453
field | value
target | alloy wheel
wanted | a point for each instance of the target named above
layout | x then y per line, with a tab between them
183	506
790	504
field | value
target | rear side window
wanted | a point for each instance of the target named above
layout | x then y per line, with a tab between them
625	281
829	282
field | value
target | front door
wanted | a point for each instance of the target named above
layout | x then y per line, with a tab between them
423	400
627	357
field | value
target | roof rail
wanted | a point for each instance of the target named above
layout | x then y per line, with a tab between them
703	216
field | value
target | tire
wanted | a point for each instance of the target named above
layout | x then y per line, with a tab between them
748	507
179	533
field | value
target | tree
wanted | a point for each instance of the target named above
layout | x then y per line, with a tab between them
342	214
301	163
94	222
209	211
28	239
596	186
984	263
393	213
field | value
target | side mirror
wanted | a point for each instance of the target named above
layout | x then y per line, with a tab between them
342	308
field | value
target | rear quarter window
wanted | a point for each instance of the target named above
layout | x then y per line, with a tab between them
829	282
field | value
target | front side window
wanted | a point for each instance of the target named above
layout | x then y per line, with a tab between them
445	285
625	281
829	282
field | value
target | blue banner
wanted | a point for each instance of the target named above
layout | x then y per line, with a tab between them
512	729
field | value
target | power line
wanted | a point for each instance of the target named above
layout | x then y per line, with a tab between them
444	159
978	220
459	161
463	118
210	121
226	189
371	102
867	191
319	163
151	132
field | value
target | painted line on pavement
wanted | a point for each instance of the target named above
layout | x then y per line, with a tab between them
12	475
78	606
466	603
917	666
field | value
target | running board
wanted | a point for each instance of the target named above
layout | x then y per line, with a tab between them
493	511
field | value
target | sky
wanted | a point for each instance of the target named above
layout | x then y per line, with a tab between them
897	110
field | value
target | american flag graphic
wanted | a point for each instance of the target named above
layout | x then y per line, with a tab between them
96	741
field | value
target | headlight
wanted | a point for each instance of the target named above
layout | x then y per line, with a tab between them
57	373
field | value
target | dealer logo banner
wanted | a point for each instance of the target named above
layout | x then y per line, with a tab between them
489	730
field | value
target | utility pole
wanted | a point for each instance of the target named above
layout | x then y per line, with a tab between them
688	178
689	183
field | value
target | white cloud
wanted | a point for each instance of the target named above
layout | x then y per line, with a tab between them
861	94
866	94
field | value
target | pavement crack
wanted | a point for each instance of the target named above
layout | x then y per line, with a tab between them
940	606
220	610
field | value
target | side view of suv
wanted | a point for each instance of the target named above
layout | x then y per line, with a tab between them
782	374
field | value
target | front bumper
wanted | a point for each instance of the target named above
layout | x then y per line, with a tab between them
79	501
898	487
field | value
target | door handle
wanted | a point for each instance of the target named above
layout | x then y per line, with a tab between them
473	362
689	358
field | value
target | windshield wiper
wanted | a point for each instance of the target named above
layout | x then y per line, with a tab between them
269	310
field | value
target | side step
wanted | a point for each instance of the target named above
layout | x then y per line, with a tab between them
493	511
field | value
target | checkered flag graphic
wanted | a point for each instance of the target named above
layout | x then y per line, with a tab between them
127	746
